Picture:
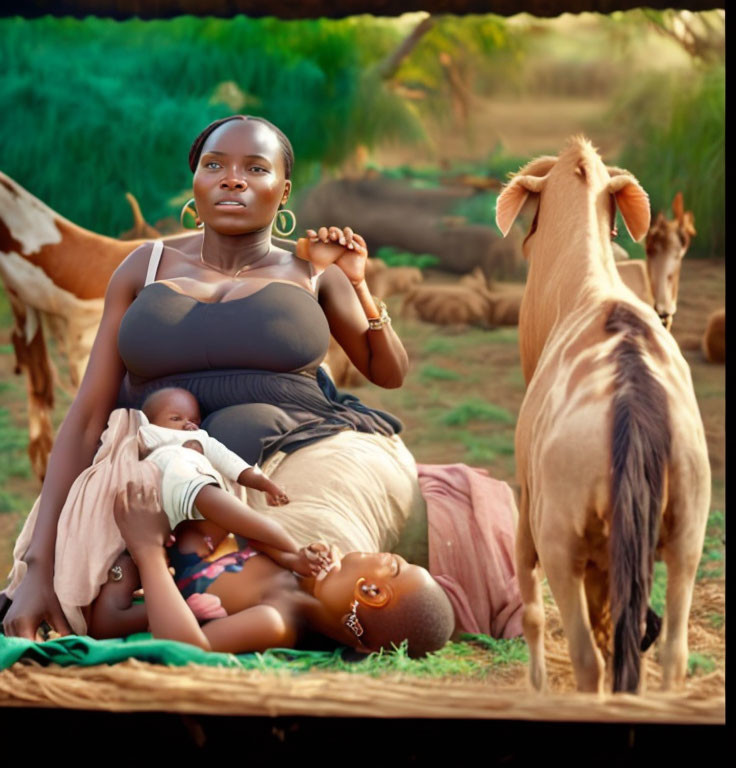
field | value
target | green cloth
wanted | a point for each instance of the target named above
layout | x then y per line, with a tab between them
76	650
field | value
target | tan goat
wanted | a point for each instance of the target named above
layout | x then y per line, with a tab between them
611	455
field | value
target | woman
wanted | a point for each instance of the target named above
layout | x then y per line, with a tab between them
234	319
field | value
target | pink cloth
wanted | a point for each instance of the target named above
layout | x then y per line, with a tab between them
471	519
88	540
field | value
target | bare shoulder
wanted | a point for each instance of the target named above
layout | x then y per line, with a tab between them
132	269
333	281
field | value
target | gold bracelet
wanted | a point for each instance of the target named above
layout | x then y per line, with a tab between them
376	323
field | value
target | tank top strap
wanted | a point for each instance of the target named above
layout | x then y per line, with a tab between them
312	277
153	261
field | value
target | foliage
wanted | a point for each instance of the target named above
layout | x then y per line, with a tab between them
467	44
393	257
95	108
675	141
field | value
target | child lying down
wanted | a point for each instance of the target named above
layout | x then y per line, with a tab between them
366	601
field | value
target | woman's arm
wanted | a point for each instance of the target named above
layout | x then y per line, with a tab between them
113	613
347	303
73	451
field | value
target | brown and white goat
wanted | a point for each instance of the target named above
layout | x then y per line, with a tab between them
656	281
667	243
611	456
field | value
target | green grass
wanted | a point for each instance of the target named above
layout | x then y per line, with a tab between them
714	549
504	336
476	410
14	461
472	658
700	664
436	372
659	588
438	345
486	448
717	620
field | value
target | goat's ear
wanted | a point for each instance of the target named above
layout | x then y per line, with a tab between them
688	223
677	206
632	201
512	199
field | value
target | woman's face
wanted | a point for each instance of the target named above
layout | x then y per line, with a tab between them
239	182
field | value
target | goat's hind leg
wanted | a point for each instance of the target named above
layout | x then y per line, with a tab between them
682	564
569	592
687	513
531	596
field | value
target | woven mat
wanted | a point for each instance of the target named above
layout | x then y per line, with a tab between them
136	686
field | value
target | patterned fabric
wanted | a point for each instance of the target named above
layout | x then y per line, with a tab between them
193	574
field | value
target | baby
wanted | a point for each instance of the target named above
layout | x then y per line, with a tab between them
190	461
368	601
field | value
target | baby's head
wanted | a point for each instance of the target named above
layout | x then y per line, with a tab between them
379	600
173	408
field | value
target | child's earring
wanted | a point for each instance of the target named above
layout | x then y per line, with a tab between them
369	590
371	594
351	622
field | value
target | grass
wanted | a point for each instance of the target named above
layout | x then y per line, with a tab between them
717	620
714	549
438	345
473	657
700	664
441	374
486	448
13	461
659	588
476	410
504	336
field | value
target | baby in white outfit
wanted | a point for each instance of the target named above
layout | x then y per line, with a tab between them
190	460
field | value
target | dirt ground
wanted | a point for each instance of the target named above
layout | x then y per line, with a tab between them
489	372
459	404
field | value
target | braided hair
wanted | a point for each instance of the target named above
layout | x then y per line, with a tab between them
287	152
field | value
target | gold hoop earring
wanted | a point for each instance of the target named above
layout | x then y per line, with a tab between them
279	223
191	211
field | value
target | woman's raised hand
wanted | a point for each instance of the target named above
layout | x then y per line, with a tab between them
332	245
142	522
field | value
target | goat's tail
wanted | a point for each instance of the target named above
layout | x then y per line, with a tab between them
640	449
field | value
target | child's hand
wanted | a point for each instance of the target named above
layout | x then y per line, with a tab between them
321	558
140	518
254	478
